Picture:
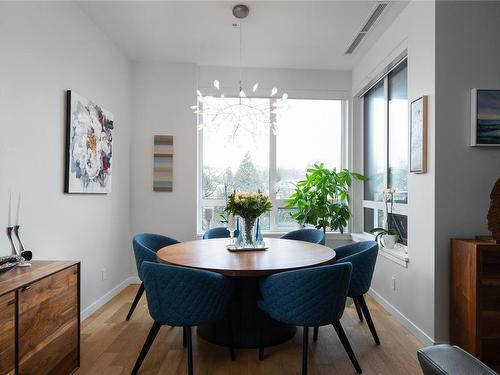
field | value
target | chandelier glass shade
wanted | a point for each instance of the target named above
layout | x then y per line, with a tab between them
242	111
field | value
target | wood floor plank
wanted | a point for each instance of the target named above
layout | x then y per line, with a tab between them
110	345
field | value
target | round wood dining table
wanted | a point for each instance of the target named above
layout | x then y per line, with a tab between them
246	268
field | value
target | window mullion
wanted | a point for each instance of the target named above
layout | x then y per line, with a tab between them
386	122
199	220
272	169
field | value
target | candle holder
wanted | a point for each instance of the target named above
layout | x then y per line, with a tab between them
15	251
26	254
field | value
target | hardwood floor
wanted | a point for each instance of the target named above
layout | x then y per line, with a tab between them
110	345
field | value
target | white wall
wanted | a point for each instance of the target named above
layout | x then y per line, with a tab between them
298	83
467	56
413	299
47	48
162	95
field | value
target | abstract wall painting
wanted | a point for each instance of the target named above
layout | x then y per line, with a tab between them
89	151
418	135
485	117
163	163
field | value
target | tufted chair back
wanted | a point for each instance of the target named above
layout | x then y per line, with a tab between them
362	256
218	232
306	235
307	297
145	247
180	296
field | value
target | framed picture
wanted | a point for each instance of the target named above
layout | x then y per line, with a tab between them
163	177
89	146
485	117
418	135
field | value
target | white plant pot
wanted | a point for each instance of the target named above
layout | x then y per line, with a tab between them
389	241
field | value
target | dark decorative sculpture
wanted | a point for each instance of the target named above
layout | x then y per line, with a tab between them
494	212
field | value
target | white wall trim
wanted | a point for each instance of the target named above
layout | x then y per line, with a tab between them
398	256
96	305
414	329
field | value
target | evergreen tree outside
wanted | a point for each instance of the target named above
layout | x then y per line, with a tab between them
247	176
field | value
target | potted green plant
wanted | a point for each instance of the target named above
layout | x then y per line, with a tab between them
387	236
322	198
248	206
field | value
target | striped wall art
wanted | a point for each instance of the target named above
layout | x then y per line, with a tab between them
163	163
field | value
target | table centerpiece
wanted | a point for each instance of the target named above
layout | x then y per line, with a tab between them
249	206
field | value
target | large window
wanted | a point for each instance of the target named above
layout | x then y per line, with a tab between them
249	156
385	120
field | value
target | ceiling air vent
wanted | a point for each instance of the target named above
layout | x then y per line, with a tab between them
377	12
355	43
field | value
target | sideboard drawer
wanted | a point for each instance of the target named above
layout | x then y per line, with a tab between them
490	262
7	333
48	324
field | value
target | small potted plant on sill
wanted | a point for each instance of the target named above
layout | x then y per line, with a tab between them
322	198
387	237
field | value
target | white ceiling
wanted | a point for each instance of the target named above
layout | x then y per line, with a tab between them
285	34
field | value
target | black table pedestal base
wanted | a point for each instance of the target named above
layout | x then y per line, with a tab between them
245	321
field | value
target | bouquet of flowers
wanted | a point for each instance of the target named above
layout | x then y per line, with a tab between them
248	206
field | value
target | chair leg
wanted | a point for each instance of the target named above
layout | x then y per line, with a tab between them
316	333
358	309
184	342
262	322
232	353
366	313
305	349
136	301
190	350
345	342
147	344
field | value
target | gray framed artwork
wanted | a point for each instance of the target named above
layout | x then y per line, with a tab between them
485	117
163	163
418	135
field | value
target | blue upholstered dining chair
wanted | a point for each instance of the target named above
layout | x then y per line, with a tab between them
145	247
362	256
307	235
308	297
217	232
183	297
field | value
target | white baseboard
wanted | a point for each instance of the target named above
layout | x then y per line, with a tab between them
134	280
414	329
85	313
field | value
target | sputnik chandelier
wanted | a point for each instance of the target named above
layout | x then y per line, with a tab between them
249	108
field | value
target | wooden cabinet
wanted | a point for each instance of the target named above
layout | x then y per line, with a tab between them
475	298
7	333
41	307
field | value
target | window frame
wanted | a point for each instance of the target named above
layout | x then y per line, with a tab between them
277	203
398	208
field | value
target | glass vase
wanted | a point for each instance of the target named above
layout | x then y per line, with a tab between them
249	232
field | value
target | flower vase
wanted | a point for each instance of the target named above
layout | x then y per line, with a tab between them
249	232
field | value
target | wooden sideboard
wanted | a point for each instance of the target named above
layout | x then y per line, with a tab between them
475	298
40	319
